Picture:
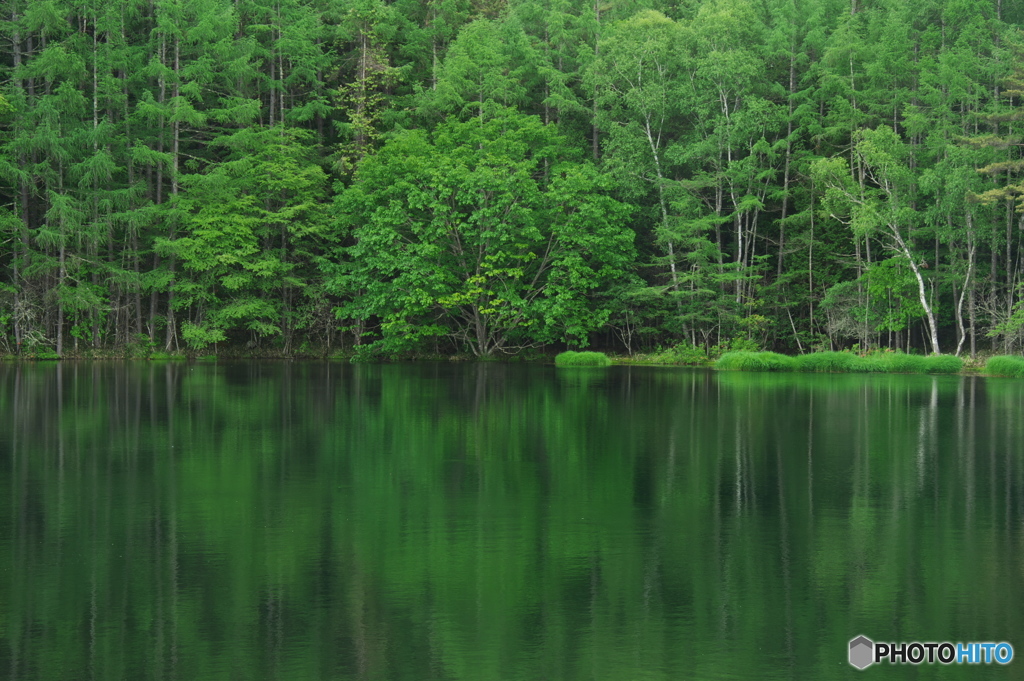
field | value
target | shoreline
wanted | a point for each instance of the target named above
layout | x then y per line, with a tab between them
1011	366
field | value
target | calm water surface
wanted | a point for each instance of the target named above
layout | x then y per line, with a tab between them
493	522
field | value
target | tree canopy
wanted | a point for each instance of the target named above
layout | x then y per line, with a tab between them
479	177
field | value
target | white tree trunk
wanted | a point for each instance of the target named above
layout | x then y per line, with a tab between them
921	290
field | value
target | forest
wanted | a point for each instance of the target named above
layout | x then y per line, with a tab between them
400	178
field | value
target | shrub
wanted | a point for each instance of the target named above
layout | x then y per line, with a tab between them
169	356
685	353
1005	365
943	364
41	353
743	360
582	359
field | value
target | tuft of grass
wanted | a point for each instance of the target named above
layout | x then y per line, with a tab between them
943	364
902	363
582	359
1011	366
743	360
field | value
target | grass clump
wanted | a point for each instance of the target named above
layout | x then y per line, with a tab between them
1011	366
582	359
943	364
743	360
902	363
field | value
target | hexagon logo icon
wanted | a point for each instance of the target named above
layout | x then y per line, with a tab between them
862	652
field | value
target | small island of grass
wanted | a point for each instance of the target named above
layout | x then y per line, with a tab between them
843	362
582	359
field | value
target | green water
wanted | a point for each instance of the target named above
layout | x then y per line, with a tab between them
492	522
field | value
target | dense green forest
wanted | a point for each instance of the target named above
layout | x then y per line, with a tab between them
485	176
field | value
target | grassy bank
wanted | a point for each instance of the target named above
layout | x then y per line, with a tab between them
841	363
1010	366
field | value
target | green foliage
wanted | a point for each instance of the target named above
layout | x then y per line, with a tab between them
40	353
1011	366
735	344
167	356
198	337
685	354
835	362
788	174
582	359
463	234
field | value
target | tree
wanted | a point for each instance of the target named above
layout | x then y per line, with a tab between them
461	234
639	74
253	224
885	204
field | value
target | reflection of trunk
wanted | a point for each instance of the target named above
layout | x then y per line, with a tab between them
810	457
787	582
172	526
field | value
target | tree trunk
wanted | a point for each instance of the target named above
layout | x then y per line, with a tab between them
922	291
967	286
664	206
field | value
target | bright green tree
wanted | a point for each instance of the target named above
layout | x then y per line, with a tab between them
254	222
461	233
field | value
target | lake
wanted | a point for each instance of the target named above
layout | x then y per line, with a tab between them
484	522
